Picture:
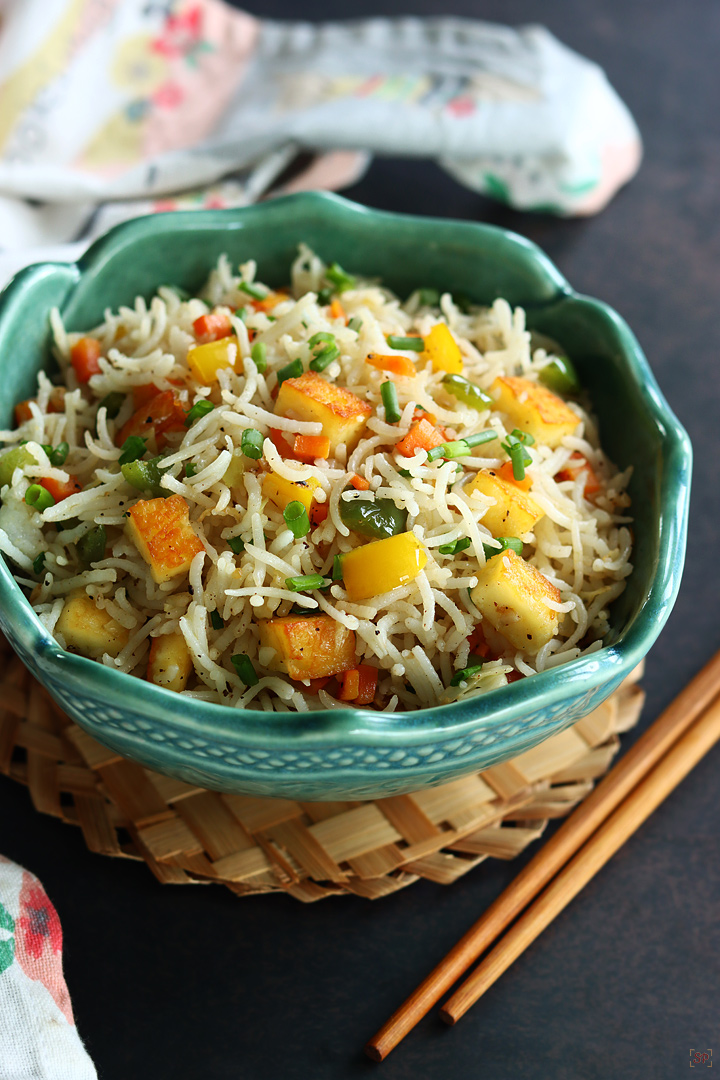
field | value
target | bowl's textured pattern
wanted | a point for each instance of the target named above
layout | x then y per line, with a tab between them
317	771
352	753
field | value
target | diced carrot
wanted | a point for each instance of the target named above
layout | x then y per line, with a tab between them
360	483
478	644
60	489
574	467
318	512
308	447
56	404
399	365
368	684
23	412
317	684
284	447
143	394
349	685
212	327
161	414
422	414
337	311
270	301
421	436
84	356
505	472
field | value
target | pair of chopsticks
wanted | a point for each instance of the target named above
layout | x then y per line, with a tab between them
660	759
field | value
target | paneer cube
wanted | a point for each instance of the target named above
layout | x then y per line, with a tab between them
342	414
170	662
282	491
511	595
514	512
533	408
309	646
89	629
162	533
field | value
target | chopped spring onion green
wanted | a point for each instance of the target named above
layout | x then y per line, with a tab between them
505	542
39	498
241	313
417	344
355	324
323	337
306	582
388	391
58	456
560	375
251	443
522	436
216	620
325	296
514	446
200	408
244	668
145	476
339	277
236	545
465	674
291	371
91	546
190	469
324	358
39	563
258	292
405	472
467	392
460	447
455	546
259	355
132	449
429	297
112	403
337	570
296	519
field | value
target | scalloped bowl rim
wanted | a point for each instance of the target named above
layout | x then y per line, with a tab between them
247	727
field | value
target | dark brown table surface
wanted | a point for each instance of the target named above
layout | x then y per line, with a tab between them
193	982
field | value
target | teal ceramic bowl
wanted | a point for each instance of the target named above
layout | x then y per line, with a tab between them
353	753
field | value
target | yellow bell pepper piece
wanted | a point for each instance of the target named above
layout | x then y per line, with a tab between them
205	361
382	565
282	491
442	350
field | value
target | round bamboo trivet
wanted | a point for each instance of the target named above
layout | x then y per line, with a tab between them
188	835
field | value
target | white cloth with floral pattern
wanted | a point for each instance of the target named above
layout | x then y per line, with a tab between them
116	100
38	1037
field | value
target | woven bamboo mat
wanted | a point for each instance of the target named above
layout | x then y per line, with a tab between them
188	835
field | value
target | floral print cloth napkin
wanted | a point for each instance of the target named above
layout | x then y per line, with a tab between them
142	106
38	1038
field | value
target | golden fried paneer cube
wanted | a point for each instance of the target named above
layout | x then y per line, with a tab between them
89	629
511	595
170	662
343	415
309	646
533	408
162	533
514	512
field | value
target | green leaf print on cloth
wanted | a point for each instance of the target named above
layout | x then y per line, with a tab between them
7	940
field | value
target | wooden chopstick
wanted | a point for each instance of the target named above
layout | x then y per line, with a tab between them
591	813
621	825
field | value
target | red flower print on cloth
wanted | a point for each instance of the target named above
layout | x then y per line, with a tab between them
38	942
181	33
168	96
